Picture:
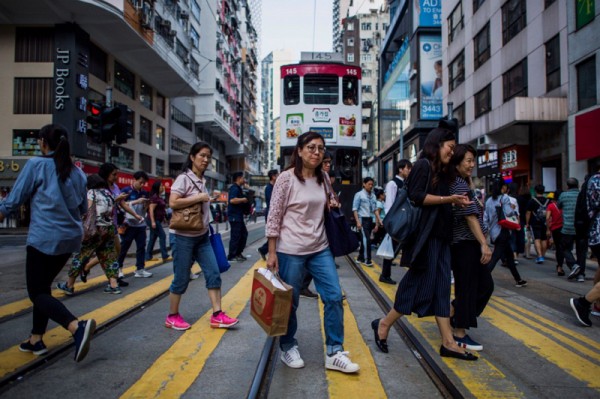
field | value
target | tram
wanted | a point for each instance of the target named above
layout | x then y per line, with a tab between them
325	97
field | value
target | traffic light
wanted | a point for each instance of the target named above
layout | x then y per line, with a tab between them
124	124
95	121
110	123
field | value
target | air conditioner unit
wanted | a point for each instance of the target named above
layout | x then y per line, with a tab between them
481	140
166	24
173	33
186	61
146	15
184	15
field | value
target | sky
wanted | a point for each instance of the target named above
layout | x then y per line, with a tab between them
289	24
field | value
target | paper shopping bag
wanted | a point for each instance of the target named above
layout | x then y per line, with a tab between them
271	302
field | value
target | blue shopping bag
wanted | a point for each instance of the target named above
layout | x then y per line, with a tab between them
217	245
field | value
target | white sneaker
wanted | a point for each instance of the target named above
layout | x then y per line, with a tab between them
194	276
341	362
142	273
292	358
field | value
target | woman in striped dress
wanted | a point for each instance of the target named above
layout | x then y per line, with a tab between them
425	288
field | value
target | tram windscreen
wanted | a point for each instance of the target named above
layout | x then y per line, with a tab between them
321	89
347	164
350	90
291	90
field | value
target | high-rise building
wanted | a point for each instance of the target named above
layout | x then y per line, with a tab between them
340	11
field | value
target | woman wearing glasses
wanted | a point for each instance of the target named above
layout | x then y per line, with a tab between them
298	244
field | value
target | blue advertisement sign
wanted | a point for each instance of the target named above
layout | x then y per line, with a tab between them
326	132
427	13
430	55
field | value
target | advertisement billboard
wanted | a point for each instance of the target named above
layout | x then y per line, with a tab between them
430	55
427	14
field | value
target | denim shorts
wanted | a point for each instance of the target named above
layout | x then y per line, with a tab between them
190	249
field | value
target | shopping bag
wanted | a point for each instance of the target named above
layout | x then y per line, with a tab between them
271	302
386	248
217	245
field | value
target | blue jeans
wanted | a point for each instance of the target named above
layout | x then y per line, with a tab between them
139	235
321	266
188	250
159	233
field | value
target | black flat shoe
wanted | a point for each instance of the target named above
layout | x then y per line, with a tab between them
445	352
381	343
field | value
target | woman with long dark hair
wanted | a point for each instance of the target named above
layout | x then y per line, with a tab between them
298	244
56	190
425	288
188	189
500	236
470	252
157	213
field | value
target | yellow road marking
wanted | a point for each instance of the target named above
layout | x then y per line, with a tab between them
178	367
481	378
341	385
12	359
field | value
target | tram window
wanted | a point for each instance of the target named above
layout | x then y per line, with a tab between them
321	89
291	90
350	90
347	163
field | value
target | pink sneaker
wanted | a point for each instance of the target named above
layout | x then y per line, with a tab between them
176	322
222	321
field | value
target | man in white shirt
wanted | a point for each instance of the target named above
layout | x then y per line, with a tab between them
391	189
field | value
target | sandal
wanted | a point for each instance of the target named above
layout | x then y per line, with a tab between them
560	271
83	275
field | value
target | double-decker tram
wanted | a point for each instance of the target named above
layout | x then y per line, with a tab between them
325	97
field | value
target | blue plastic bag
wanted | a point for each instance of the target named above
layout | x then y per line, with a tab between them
217	245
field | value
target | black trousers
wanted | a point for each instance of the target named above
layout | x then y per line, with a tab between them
386	268
40	271
364	251
237	240
557	237
473	283
502	250
581	247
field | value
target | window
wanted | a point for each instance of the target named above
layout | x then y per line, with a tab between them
98	62
586	83
159	135
477	4
145	163
146	95
34	45
366	58
365	26
195	8
194	67
25	142
321	89
182	52
367	89
367	73
553	63
160	167
145	130
350	57
194	37
122	157
455	22
181	118
482	46
513	19
483	101
160	104
350	41
291	89
124	80
548	3
514	81
180	145
350	26
456	71
584	12
459	114
33	96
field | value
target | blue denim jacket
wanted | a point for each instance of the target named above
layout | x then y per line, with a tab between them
56	207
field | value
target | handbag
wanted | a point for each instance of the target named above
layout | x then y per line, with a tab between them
190	218
217	245
342	240
508	222
403	218
270	302
89	221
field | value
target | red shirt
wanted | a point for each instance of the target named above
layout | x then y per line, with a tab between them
556	219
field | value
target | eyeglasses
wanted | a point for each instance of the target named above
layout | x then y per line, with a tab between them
315	148
327	162
205	156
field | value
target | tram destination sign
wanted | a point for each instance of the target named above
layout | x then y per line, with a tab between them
309	56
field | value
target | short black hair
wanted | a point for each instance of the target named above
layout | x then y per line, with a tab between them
367	179
95	181
403	163
140	174
272	172
236	175
539	189
572	182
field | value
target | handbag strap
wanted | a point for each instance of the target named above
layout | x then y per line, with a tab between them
329	190
198	188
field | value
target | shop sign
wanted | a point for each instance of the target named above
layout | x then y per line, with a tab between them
125	179
10	168
487	162
509	159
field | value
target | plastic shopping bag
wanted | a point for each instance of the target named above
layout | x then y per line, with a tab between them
386	248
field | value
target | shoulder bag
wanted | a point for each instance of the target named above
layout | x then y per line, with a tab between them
217	245
342	240
189	218
89	221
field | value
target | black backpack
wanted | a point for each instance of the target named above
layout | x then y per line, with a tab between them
582	218
540	213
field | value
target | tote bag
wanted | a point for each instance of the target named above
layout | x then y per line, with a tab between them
508	222
342	240
217	245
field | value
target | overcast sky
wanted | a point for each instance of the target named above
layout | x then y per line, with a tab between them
289	24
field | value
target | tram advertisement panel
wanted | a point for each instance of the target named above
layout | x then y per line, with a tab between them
431	76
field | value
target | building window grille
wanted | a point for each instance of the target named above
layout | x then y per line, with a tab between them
181	118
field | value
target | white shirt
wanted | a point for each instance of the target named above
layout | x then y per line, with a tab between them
391	189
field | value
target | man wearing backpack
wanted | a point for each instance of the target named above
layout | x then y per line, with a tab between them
569	201
391	190
536	219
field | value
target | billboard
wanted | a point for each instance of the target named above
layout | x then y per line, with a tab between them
430	55
427	14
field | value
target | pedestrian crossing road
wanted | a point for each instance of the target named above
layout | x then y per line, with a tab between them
532	346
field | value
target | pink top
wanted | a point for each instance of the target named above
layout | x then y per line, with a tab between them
185	188
296	214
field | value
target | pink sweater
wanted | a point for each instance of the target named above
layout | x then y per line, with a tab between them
296	215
